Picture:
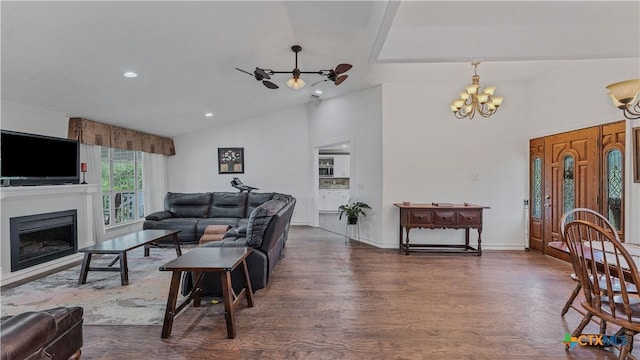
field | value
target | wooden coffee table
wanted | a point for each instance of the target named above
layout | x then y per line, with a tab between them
200	261
119	246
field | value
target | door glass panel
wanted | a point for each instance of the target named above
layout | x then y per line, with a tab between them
568	185
536	191
614	187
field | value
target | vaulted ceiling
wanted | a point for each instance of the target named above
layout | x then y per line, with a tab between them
69	57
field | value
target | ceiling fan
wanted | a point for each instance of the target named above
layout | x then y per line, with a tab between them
264	75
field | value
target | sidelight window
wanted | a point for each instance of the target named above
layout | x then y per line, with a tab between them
568	184
536	183
613	187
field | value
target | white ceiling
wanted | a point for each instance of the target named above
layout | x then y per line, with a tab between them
69	57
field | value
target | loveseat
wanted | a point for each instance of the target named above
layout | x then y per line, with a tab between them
257	220
48	334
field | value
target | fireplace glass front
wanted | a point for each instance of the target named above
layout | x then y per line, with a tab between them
36	239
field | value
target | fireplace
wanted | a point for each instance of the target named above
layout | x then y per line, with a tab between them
36	239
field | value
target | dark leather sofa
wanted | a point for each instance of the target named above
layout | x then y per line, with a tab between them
257	220
49	334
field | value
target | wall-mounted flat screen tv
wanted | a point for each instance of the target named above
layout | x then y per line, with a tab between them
30	159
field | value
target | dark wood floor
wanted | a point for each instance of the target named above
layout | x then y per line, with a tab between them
331	301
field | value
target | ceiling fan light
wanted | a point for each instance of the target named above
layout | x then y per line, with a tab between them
295	83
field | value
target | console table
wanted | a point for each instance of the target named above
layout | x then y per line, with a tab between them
440	216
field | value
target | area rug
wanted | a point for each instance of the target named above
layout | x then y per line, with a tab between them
104	299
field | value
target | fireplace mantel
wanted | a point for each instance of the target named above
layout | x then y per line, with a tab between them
31	200
11	192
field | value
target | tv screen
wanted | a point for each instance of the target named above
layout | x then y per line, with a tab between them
29	159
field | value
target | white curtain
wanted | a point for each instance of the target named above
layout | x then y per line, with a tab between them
90	154
155	180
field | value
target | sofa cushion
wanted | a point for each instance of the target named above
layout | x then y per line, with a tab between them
187	227
188	205
159	215
228	205
260	219
227	242
256	199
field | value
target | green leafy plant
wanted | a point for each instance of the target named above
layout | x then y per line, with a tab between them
353	210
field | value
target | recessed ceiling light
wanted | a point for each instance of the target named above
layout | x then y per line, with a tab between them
208	114
344	145
130	74
319	92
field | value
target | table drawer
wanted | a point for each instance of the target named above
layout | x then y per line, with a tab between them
469	217
420	217
444	217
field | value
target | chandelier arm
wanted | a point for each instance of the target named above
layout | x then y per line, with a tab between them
487	114
636	109
632	114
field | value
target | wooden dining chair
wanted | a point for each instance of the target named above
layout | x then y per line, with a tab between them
591	216
607	272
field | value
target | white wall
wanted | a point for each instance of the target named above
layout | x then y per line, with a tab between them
18	117
430	156
574	97
407	147
275	151
355	117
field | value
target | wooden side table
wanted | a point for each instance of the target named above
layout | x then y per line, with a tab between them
200	261
440	216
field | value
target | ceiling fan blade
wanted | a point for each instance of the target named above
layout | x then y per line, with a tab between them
262	73
269	84
342	68
340	79
244	71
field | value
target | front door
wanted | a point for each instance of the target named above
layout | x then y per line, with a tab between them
571	178
567	169
581	168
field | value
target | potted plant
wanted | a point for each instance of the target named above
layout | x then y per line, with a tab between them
352	211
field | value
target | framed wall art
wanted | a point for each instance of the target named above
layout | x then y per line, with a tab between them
231	160
636	154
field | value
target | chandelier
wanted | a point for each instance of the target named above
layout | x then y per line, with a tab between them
477	98
625	97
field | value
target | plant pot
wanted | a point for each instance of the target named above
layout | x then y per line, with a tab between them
352	220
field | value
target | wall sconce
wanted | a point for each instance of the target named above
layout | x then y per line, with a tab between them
624	95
